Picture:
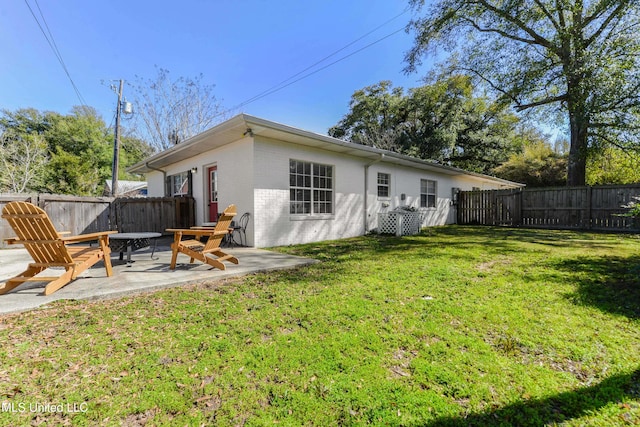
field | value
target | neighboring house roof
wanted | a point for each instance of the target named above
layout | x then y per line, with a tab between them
125	187
243	124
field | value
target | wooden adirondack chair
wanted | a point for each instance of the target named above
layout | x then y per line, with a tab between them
48	248
203	252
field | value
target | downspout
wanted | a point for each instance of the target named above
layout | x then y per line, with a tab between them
366	191
164	177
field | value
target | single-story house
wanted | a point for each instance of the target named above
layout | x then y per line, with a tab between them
300	186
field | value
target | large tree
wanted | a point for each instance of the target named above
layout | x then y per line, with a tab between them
374	116
169	111
579	57
442	121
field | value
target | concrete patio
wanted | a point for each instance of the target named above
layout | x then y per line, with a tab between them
144	274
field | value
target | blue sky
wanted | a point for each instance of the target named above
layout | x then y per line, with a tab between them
244	47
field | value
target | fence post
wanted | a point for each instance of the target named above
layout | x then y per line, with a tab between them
588	214
114	214
518	207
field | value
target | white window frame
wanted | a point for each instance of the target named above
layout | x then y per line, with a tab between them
428	196
384	184
311	189
213	184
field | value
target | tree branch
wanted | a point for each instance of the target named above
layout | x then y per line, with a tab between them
605	125
561	19
490	83
605	24
609	140
521	107
501	32
520	24
549	16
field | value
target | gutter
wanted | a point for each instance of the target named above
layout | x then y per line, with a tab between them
366	191
164	176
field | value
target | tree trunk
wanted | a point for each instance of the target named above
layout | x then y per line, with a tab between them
578	91
577	164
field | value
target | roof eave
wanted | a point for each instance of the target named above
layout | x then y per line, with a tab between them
190	147
372	153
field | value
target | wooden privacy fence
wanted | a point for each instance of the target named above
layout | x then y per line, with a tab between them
80	215
153	213
582	208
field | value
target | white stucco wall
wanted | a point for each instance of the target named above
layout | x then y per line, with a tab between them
155	184
235	179
274	224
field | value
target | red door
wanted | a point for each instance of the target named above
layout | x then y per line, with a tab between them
213	193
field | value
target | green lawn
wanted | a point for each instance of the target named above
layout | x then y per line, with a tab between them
457	326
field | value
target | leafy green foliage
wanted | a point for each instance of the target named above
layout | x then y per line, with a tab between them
538	165
68	173
634	208
442	121
579	58
64	154
612	165
132	150
81	153
374	115
24	121
457	326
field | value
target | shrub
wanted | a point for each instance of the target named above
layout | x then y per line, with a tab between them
634	208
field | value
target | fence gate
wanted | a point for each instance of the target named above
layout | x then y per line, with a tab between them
490	207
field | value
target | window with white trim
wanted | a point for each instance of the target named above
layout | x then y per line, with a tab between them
384	182
428	193
310	188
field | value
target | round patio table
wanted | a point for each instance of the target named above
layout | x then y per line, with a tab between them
129	242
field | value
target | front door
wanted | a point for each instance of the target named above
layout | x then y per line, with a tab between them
213	193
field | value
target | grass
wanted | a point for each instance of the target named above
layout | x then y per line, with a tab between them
457	326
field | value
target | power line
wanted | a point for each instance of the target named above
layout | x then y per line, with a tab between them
52	44
289	81
258	96
277	88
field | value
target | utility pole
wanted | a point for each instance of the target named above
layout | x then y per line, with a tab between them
116	145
